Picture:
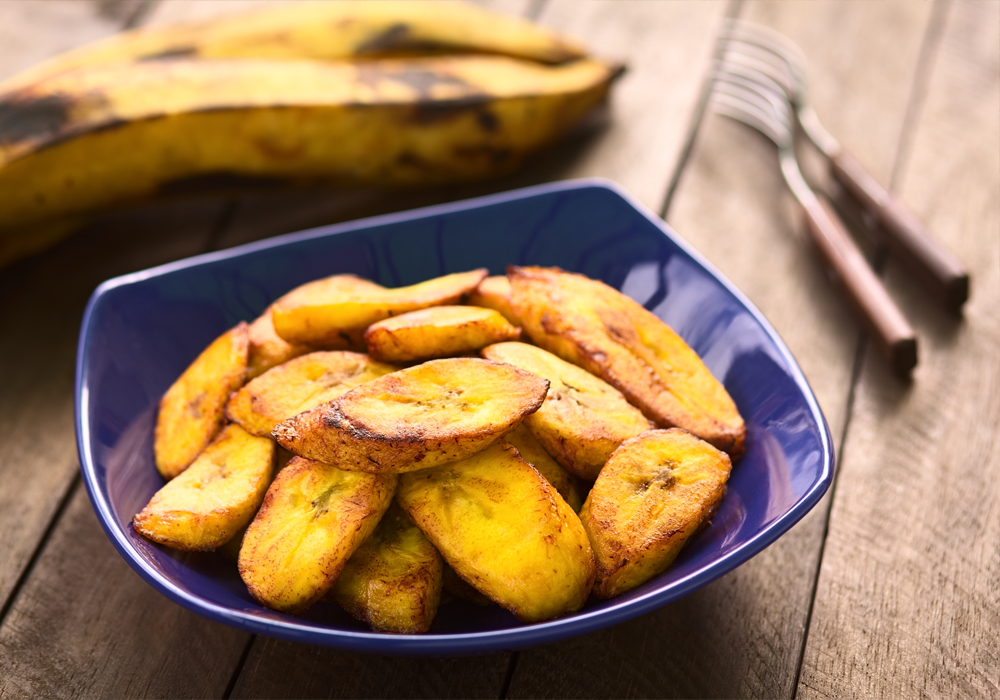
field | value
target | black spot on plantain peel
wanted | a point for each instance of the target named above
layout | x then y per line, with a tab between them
27	118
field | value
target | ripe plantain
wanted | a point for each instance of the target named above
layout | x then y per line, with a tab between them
436	412
505	530
299	385
95	137
313	518
654	493
440	331
393	580
193	408
208	504
583	419
592	325
340	30
333	311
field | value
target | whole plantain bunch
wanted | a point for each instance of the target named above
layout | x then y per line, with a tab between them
356	93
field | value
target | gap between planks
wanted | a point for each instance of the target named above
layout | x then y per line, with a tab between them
918	93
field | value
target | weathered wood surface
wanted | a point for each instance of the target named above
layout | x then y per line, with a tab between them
906	603
742	635
86	625
30	32
908	600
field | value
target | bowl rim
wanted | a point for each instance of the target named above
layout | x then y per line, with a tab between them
505	639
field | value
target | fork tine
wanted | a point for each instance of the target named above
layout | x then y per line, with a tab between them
733	107
762	82
752	57
767	39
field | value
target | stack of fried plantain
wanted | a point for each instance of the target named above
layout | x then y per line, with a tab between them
359	93
461	465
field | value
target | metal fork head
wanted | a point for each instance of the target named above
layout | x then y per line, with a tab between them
764	55
767	51
762	104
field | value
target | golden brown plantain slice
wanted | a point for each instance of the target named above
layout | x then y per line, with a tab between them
652	495
267	350
583	419
505	530
208	504
592	325
393	580
535	455
322	291
494	293
437	412
192	410
321	315
313	518
299	385
440	331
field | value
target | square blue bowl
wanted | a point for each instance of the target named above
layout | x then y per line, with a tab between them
141	331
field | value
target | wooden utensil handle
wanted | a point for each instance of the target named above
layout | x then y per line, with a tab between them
943	274
883	319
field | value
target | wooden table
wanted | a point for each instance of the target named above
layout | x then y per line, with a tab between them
889	588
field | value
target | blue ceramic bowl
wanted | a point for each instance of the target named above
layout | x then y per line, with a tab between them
140	331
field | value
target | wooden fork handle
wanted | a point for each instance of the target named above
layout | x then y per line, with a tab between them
942	273
883	319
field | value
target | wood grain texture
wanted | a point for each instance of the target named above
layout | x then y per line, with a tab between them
742	635
44	298
30	32
279	669
667	48
86	625
908	601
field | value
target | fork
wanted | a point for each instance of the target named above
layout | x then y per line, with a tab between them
765	107
764	53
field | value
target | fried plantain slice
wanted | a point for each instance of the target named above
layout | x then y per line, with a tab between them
267	350
535	455
319	315
505	530
592	325
436	412
440	331
583	419
494	293
320	292
213	499
652	495
313	518
193	408
393	580
299	385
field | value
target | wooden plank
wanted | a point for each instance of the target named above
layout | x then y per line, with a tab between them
907	602
667	48
86	625
30	32
742	635
44	297
278	669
